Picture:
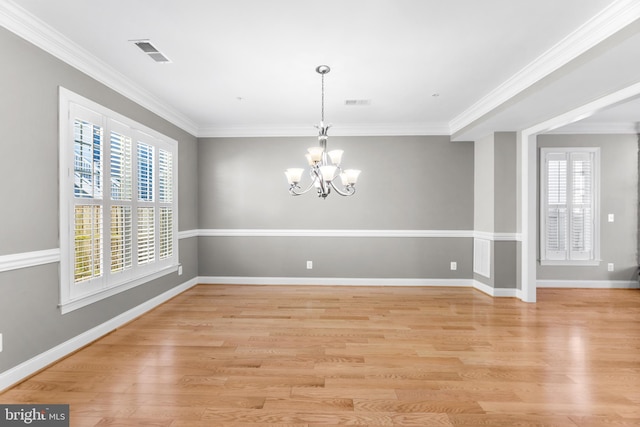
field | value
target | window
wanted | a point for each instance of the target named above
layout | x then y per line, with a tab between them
118	212
569	214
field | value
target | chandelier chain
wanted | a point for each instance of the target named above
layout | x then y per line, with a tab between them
322	75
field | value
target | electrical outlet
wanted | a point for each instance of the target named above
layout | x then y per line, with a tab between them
309	265
0	343
180	270
454	265
610	217
610	266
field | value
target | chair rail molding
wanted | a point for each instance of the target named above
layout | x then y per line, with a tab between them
28	259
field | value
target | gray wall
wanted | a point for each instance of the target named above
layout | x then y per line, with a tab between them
30	320
618	195
484	192
505	180
336	257
422	183
495	209
407	183
505	212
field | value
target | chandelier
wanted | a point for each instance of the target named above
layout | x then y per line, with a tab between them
324	167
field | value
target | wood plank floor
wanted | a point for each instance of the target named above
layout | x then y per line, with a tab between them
369	356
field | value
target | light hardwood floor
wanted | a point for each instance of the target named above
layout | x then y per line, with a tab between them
373	356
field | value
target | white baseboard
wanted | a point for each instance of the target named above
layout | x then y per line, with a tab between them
497	292
589	284
20	372
330	281
494	292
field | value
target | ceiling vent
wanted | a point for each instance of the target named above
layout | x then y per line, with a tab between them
149	49
360	102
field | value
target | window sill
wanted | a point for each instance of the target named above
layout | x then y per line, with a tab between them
83	301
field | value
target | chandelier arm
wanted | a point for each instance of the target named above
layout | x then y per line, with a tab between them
293	192
324	189
348	190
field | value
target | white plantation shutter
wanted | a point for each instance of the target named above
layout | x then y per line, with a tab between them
87	199
87	159
166	232
121	167
581	206
145	172
165	170
121	238
88	259
121	172
146	235
165	196
556	211
117	197
568	204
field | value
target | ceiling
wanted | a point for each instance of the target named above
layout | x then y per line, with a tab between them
246	67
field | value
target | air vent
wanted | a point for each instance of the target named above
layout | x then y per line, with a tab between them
149	49
158	57
360	102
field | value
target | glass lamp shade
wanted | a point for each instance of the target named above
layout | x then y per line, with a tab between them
335	156
308	157
352	176
294	175
315	153
328	172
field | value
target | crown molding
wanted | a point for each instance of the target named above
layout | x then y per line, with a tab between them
583	112
596	128
612	19
17	20
377	129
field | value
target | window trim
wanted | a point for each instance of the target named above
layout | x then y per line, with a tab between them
595	261
108	285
